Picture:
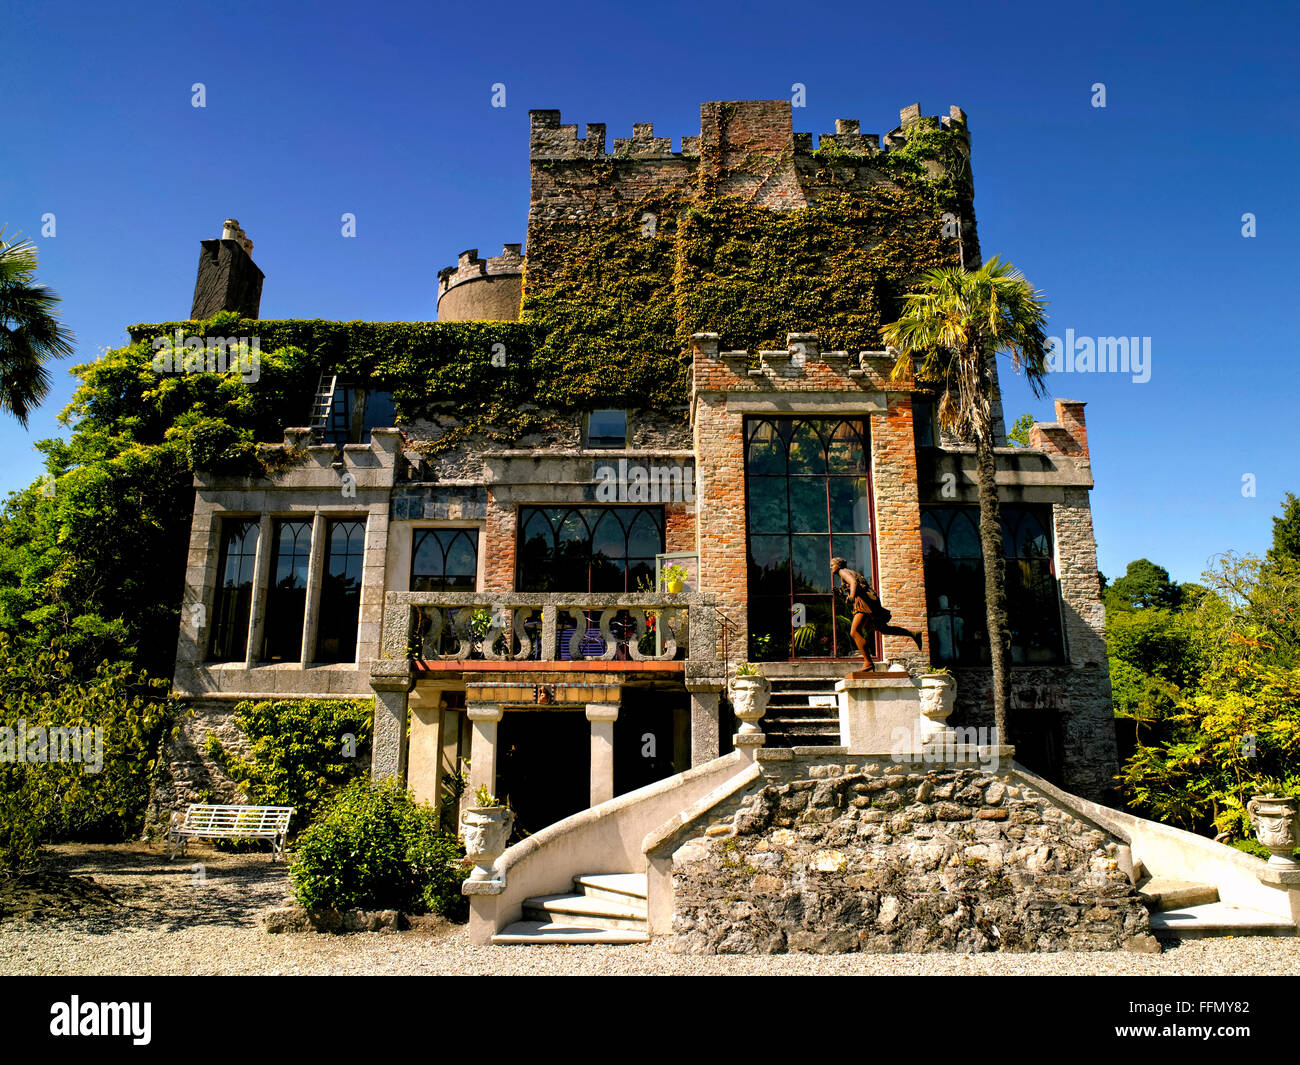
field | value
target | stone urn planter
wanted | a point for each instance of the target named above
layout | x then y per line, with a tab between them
1273	818
938	696
486	830
749	696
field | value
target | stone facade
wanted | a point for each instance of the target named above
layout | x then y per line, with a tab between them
825	855
404	481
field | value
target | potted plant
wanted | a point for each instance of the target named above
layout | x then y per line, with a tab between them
486	828
674	579
1273	818
750	692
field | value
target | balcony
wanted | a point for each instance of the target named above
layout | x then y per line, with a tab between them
555	630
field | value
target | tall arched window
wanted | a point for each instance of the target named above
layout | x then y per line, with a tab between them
340	595
808	500
286	598
233	603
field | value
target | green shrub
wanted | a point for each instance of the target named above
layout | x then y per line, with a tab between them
375	848
45	795
299	754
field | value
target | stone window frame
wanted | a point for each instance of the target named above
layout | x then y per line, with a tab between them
410	528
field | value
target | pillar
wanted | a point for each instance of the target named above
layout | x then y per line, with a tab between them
483	719
261	587
705	733
602	717
424	748
389	757
315	576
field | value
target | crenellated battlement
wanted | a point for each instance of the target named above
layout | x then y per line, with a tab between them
551	139
469	267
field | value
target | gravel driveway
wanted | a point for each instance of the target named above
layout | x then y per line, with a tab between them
143	914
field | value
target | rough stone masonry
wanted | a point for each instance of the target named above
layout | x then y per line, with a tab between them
836	856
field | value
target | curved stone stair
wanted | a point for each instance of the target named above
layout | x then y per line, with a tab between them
1184	909
606	908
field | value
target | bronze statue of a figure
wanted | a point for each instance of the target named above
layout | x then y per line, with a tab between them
868	613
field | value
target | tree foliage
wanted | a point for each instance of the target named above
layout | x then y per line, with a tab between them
1210	678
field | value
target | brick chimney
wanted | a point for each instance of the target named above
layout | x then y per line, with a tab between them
228	279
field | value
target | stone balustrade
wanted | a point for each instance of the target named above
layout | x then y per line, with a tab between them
549	627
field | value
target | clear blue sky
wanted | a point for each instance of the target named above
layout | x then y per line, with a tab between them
1129	217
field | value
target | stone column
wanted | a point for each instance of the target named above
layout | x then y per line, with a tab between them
392	683
261	582
424	748
705	734
315	575
602	717
483	745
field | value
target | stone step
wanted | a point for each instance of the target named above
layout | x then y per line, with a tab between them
626	888
585	911
1166	893
1217	919
540	933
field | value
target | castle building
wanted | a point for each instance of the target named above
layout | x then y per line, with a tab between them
700	420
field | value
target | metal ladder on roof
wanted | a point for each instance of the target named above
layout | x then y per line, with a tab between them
322	404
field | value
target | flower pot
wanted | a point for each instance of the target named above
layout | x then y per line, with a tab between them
1273	818
749	696
486	830
674	587
938	696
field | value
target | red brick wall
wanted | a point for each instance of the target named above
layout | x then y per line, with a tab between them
679	528
898	528
720	515
499	546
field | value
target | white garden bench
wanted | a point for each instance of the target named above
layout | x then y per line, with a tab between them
210	821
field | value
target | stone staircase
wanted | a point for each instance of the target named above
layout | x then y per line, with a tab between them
1184	909
802	712
608	908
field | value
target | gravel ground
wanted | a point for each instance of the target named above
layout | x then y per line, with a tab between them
156	917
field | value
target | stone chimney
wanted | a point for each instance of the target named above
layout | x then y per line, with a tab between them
228	279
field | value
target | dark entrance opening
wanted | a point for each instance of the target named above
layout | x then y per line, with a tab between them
543	766
651	737
1039	742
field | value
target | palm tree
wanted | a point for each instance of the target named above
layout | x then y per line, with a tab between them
949	333
30	331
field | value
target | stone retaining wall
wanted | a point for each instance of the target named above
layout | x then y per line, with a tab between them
834	856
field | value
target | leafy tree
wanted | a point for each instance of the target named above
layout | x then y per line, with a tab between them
43	798
1225	717
30	331
1143	585
957	322
94	556
1286	533
1018	434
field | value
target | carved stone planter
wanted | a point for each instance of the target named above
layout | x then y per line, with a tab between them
1273	817
749	696
938	696
486	830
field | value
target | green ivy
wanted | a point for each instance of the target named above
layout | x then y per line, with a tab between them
299	754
